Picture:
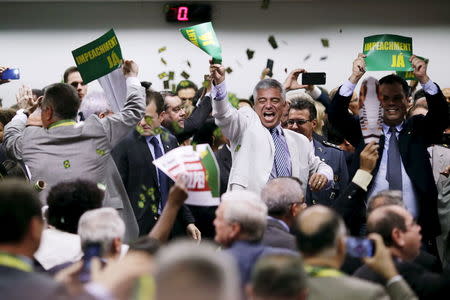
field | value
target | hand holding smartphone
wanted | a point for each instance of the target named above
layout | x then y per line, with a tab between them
359	247
10	74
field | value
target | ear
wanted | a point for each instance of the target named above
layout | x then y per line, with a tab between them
35	228
101	115
162	116
397	237
314	124
341	249
235	230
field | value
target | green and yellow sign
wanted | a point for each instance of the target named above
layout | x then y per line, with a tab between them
387	52
99	57
204	37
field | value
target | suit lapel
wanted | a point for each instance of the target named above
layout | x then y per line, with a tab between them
147	157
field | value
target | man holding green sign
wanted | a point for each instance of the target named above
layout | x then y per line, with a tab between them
404	163
204	37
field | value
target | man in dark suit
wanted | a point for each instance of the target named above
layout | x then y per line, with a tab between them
404	162
401	234
147	187
224	159
174	116
303	119
284	199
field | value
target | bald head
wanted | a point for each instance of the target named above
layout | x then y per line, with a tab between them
319	229
384	219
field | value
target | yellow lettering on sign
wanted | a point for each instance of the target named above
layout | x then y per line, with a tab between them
207	39
398	61
98	51
113	60
192	36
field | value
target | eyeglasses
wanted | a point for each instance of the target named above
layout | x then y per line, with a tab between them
298	122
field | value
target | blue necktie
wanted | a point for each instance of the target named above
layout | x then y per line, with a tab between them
394	167
281	153
163	179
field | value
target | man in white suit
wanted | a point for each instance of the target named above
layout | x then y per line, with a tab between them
260	148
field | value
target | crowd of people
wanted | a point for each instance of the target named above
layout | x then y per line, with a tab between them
309	209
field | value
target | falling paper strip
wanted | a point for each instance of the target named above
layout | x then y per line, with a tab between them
171	75
250	54
229	70
162	49
272	42
185	75
163	61
325	43
307	57
323	58
162	75
166	84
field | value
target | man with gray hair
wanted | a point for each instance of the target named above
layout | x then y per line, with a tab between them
104	226
284	200
256	135
240	222
385	197
185	270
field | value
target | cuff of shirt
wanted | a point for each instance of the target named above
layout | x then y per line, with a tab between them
219	92
133	81
362	179
98	291
315	93
347	89
430	87
394	280
21	116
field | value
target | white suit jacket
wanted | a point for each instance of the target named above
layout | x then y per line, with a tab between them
253	150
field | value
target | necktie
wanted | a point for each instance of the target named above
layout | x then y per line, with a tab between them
394	167
163	180
281	153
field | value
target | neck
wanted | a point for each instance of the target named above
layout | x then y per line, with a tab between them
17	249
330	262
396	253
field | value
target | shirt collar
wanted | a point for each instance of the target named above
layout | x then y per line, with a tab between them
279	129
399	127
281	222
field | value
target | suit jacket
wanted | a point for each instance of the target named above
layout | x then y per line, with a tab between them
69	151
346	287
19	285
193	123
134	162
334	157
276	235
425	284
224	159
417	134
253	150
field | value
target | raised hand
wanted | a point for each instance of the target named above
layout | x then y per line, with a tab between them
420	69
130	68
359	68
291	82
217	73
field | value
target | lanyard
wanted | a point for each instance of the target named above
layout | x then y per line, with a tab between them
314	271
62	123
11	261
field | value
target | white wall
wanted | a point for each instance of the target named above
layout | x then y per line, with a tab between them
39	37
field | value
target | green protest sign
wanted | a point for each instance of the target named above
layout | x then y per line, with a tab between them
409	75
99	57
387	52
204	37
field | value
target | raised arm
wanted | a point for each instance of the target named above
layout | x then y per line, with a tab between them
338	113
119	124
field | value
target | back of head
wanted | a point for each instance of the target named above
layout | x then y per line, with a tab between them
386	197
395	79
6	115
248	210
67	201
189	271
279	193
101	225
279	277
145	244
64	100
19	204
319	230
95	103
383	220
268	84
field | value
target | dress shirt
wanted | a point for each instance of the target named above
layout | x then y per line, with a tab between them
380	183
219	92
152	148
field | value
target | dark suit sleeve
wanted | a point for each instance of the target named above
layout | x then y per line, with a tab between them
325	100
186	216
120	156
195	120
351	206
343	121
436	120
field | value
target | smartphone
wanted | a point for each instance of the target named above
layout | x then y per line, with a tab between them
358	247
269	66
11	74
90	250
314	78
